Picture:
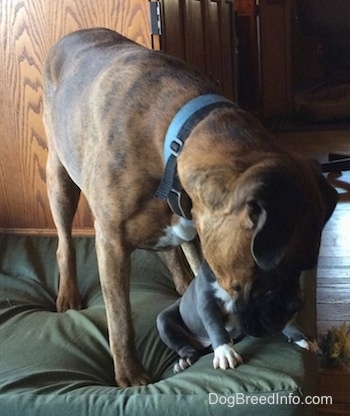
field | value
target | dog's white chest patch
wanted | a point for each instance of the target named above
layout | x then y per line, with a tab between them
177	234
228	303
227	307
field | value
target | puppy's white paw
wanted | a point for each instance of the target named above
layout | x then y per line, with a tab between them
225	357
311	346
302	344
182	364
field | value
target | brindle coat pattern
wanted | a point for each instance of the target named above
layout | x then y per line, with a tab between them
107	105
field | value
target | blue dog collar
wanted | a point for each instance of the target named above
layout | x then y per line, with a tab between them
173	140
179	129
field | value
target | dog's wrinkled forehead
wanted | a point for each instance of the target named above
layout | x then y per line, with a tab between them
274	217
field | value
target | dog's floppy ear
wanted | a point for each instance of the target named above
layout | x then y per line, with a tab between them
274	207
272	201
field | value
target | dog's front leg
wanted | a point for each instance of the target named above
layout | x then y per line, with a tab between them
114	269
225	356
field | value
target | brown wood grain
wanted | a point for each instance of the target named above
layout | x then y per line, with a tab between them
336	384
27	31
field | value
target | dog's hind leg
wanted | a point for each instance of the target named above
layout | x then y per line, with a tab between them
172	331
297	336
63	196
179	268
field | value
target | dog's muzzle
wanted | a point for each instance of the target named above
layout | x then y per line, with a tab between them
272	302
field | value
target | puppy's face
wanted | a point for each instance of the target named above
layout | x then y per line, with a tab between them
273	301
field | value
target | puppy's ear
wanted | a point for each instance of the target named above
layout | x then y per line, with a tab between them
274	208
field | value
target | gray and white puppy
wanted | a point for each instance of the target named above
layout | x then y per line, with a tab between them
207	316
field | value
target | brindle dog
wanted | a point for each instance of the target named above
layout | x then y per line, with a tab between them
108	104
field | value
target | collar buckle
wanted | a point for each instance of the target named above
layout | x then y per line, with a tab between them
182	124
176	146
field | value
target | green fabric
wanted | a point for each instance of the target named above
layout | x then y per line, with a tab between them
59	363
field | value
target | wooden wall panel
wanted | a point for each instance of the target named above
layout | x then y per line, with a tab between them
28	28
222	46
248	62
265	66
275	55
196	53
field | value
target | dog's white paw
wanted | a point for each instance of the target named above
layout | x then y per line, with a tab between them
225	357
182	364
311	346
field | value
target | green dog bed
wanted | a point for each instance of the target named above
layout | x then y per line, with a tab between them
60	363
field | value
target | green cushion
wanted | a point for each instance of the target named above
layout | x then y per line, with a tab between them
60	364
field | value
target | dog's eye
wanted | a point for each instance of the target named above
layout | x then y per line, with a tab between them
237	288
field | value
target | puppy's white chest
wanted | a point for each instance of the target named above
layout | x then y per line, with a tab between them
227	306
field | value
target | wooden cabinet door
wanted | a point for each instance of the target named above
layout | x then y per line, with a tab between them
275	56
263	29
28	29
194	28
221	38
202	33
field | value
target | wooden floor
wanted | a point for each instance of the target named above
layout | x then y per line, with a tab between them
333	270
